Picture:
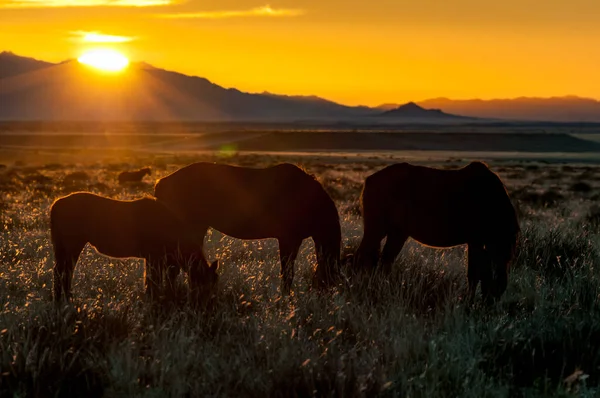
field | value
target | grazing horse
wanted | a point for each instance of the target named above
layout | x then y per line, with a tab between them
441	208
142	228
133	176
281	202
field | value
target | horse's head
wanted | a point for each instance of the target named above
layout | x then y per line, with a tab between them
328	266
328	244
499	281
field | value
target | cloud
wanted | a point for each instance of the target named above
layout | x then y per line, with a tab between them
264	11
98	37
83	3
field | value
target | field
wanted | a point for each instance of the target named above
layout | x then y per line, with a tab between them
410	334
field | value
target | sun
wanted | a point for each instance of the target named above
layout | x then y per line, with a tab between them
105	59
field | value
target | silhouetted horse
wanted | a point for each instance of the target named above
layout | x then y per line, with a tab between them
133	176
442	208
142	228
281	202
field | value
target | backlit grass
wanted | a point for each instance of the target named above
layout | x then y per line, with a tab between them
406	335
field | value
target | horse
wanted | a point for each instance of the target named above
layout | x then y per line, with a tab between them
441	208
281	202
142	228
133	176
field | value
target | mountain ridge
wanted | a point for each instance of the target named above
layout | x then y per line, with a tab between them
72	91
32	91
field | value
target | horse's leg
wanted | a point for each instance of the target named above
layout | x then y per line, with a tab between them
391	249
496	279
196	271
60	267
61	257
172	272
66	259
476	259
486	277
288	250
368	251
68	275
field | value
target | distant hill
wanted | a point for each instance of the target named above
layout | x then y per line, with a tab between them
556	109
413	112
12	65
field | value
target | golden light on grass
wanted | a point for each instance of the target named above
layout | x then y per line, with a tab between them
107	60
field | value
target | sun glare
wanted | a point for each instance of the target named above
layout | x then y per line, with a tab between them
106	60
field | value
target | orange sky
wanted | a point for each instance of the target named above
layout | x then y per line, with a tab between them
354	52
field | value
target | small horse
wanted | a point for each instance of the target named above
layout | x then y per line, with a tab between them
441	208
133	176
142	228
281	202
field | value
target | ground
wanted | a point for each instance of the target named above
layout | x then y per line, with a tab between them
409	334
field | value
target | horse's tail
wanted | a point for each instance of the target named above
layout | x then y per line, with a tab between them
504	223
327	235
373	205
508	221
510	231
496	203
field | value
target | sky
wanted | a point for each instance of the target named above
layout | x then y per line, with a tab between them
353	52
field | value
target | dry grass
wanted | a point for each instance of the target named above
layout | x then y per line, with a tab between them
406	335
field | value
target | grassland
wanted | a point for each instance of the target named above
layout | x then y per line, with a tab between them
407	335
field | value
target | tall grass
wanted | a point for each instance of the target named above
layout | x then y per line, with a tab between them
408	334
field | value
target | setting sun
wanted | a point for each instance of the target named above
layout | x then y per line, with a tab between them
105	59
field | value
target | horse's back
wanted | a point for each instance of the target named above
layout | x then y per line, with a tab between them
81	206
426	185
437	207
117	228
204	176
245	202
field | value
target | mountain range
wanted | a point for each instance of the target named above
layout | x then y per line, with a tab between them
36	90
556	109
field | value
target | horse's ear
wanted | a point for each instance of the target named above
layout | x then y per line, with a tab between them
214	266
